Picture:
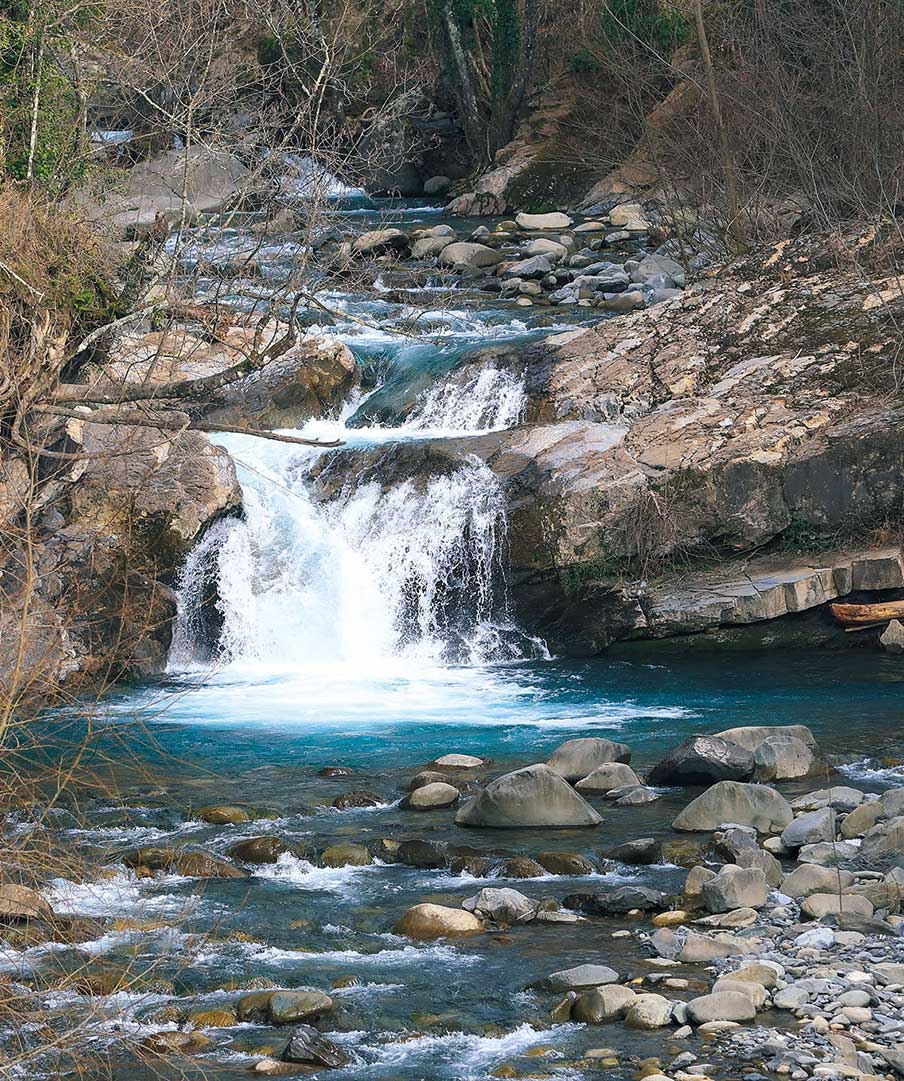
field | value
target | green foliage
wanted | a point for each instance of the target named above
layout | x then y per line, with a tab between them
644	22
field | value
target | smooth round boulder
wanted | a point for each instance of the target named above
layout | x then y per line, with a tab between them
751	736
578	758
258	850
535	797
703	760
603	1004
645	850
458	761
648	1012
381	241
810	878
425	922
224	815
607	777
287	1007
581	977
540	222
742	804
346	855
721	1006
565	863
430	797
462	252
782	758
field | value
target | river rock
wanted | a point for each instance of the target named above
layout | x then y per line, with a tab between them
629	216
540	222
287	1007
766	973
751	736
224	816
884	839
501	906
425	777
702	760
809	829
538	266
892	638
430	796
428	246
381	241
579	978
644	850
565	863
839	798
427	921
696	879
635	795
533	797
437	185
193	863
462	252
520	867
721	1006
652	267
258	850
818	905
578	758
345	855
765	861
780	758
429	855
827	853
751	988
753	805
735	887
308	1046
606	777
22	903
459	761
618	901
603	1004
349	801
648	1011
810	878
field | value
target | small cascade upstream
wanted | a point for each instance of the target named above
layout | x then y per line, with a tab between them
413	573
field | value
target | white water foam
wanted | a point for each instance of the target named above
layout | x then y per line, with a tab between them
492	399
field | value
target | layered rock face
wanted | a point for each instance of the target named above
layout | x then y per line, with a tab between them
680	465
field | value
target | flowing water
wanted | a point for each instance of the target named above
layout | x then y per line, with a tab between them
373	632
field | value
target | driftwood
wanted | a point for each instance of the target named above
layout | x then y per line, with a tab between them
868	615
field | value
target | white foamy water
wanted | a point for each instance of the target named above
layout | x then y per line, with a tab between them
491	400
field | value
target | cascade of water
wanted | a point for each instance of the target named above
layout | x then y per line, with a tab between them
491	399
411	572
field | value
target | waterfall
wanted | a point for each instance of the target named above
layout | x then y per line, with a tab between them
413	572
490	400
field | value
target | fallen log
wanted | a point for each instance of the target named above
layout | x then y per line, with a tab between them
863	615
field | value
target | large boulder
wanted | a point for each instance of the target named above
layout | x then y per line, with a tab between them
723	1005
426	921
287	1007
22	903
553	220
501	906
617	902
603	1004
579	978
461	252
607	777
381	241
703	760
578	758
783	757
810	829
751	736
754	805
533	797
884	840
735	887
810	878
310	1048
648	1011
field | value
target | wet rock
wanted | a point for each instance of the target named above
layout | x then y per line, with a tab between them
607	777
381	241
528	798
648	1012
780	758
351	800
426	921
520	867
224	815
175	1043
603	1004
703	760
425	777
345	855
751	736
618	901
259	850
892	638
437	185
684	853
287	1007
579	978
461	252
721	1006
578	758
192	863
334	772
633	796
421	853
644	850
753	805
308	1046
809	829
553	220
430	797
501	906
564	863
735	887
